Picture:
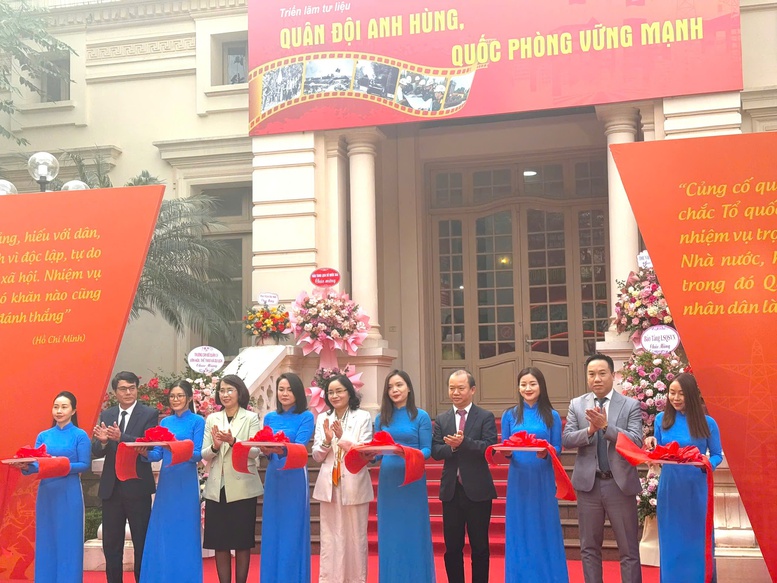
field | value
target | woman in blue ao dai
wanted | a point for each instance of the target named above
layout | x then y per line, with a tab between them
59	508
286	507
534	542
404	532
173	550
682	490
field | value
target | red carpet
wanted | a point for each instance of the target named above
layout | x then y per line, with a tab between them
611	571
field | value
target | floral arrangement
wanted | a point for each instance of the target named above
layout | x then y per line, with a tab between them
328	320
265	322
647	499
153	394
646	377
641	303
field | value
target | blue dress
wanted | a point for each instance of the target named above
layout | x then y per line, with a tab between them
173	550
682	503
534	542
286	507
405	551
59	509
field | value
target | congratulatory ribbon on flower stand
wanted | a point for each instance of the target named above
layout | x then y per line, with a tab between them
414	458
48	466
522	439
126	456
673	453
296	453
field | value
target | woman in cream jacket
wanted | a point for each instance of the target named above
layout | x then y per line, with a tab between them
230	496
344	497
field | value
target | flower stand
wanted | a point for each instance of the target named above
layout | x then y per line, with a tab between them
648	546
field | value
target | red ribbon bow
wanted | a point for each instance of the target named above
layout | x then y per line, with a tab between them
564	489
48	466
296	453
28	451
414	458
126	457
672	452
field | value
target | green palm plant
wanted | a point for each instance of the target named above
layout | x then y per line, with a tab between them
178	277
183	269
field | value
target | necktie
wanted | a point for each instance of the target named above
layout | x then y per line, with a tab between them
462	413
601	443
123	422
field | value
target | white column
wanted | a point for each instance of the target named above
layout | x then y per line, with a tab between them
620	127
336	211
362	149
285	249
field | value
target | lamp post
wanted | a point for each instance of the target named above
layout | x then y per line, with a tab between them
43	167
7	187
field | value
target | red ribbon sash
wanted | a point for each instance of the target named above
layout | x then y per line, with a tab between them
414	458
564	489
48	466
296	453
672	452
126	457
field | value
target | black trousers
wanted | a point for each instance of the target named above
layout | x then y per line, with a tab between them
117	510
458	515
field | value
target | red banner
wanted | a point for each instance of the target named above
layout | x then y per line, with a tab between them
69	267
707	209
348	63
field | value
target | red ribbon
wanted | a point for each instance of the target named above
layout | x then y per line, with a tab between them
126	457
296	453
672	452
48	466
521	439
414	458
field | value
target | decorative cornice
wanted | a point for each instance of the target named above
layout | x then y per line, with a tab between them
137	50
190	153
140	11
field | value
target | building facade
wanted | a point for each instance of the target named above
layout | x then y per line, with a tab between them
489	243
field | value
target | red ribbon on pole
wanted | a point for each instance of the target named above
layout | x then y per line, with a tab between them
126	456
296	453
672	452
48	466
521	439
414	458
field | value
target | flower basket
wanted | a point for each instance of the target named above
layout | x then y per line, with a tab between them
266	324
641	303
326	321
646	377
647	499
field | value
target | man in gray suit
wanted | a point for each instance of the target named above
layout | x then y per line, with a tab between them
604	481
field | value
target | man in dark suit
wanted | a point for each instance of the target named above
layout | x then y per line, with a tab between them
604	481
461	436
129	500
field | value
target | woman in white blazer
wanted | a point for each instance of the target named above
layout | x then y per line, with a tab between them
345	498
230	496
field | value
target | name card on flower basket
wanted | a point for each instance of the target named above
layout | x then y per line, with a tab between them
205	359
660	339
268	298
325	277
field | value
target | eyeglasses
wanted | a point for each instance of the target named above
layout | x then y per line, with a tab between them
227	391
335	393
126	389
177	397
